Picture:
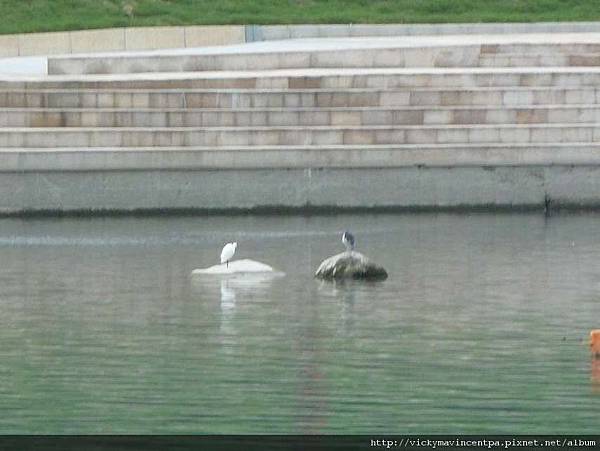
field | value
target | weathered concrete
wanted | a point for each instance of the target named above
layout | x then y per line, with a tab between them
188	98
294	157
9	45
341	78
151	38
120	39
310	137
275	117
207	35
514	50
91	41
113	39
44	44
279	32
407	188
255	135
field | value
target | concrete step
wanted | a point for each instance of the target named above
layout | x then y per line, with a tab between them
538	60
339	78
541	48
294	157
203	98
312	135
295	98
301	55
69	117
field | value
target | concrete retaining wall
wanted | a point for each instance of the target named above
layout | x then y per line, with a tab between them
119	39
358	157
149	38
279	32
394	188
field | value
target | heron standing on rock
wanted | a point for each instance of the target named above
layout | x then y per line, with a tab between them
348	240
228	252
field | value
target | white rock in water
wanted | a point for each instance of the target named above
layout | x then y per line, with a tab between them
236	267
350	265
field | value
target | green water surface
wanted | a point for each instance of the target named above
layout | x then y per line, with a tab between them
481	327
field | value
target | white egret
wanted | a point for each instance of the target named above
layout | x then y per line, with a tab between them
348	240
228	252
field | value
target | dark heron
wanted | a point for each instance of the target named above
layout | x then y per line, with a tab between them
348	240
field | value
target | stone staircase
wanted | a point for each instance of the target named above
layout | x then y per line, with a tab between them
514	105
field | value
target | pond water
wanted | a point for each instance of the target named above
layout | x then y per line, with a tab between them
481	327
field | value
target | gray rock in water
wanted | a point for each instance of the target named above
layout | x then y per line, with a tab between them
350	265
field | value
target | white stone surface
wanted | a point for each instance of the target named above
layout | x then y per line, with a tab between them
25	65
242	266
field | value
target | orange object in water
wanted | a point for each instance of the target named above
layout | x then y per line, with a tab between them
595	376
595	342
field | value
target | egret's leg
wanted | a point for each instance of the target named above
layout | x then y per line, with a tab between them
227	263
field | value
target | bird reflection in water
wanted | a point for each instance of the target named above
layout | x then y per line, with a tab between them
227	332
232	290
227	296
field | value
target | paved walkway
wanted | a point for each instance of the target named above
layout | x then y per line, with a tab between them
26	65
